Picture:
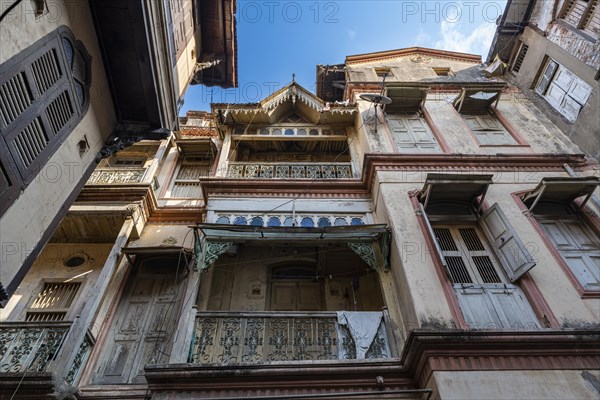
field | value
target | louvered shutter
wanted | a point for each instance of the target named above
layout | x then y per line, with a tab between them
43	95
546	78
512	254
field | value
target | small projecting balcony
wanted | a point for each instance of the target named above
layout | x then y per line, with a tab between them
30	347
223	338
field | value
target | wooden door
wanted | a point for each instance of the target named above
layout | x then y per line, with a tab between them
142	329
296	296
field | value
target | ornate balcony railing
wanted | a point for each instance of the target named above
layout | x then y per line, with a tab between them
289	170
30	346
116	176
262	337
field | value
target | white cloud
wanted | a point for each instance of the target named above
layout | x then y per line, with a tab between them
422	39
478	42
351	34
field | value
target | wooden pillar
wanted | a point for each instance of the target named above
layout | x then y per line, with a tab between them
80	326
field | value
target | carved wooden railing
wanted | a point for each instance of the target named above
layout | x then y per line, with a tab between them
262	337
289	170
116	176
32	346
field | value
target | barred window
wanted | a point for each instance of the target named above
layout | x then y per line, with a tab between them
53	302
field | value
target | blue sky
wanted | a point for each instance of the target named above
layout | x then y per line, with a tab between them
279	38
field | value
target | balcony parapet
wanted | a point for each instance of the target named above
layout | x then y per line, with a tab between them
262	337
33	346
30	346
116	176
290	170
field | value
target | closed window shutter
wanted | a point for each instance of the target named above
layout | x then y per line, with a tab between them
43	95
578	246
512	254
187	182
488	130
563	90
411	134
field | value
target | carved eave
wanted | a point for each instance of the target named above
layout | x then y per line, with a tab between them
293	98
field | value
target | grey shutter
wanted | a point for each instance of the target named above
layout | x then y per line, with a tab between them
578	247
495	306
512	254
412	134
39	88
488	130
430	232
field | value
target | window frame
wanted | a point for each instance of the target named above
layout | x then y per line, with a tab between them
66	310
184	160
544	83
585	216
538	304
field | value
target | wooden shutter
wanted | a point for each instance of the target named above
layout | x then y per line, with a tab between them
518	61
495	306
488	130
512	254
187	184
412	134
43	95
579	248
53	302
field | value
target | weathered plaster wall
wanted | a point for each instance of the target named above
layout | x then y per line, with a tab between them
420	291
585	132
525	385
50	266
25	222
240	279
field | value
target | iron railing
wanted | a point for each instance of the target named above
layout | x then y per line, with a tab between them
290	170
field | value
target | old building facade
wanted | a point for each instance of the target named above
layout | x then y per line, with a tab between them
81	80
416	238
553	55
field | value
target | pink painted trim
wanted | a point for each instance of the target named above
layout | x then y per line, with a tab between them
434	128
441	272
584	293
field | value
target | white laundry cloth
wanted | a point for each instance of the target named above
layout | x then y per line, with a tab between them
363	327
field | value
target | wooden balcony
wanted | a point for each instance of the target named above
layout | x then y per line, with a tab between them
289	170
31	347
116	176
261	337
